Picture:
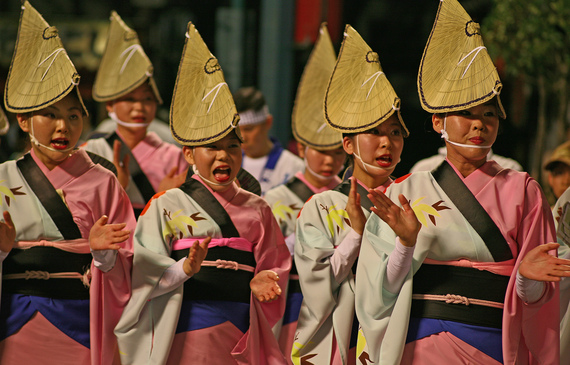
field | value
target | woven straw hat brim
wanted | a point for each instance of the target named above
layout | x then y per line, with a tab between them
359	96
202	109
456	71
41	72
3	122
124	65
307	121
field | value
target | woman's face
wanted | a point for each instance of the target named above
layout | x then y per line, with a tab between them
217	162
58	126
326	164
138	106
380	148
477	126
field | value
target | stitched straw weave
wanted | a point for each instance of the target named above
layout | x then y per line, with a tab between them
456	71
308	123
41	72
359	96
124	65
202	109
3	122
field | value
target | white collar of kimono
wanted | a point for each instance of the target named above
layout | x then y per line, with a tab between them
37	143
445	136
367	165
114	117
313	172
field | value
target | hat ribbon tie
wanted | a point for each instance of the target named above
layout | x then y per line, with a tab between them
132	49
217	88
476	50
376	75
54	54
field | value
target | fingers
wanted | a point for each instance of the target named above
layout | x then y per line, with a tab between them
404	202
126	160
205	243
102	221
272	275
8	219
116	152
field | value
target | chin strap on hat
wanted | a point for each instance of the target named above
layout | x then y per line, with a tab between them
445	136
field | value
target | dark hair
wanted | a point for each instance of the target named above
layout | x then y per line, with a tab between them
248	98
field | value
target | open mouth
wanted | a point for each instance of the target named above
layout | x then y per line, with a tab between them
222	174
384	160
60	143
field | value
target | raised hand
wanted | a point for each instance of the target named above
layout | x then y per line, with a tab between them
121	166
172	179
105	236
402	221
264	286
354	209
539	265
197	253
7	233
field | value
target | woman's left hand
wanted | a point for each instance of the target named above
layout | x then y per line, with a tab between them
264	286
105	236
539	265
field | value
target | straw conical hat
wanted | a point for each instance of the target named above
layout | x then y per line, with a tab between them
202	109
3	122
359	96
41	72
124	65
309	125
456	71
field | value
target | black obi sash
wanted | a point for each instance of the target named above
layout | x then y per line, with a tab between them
48	196
473	212
211	283
40	261
461	285
299	188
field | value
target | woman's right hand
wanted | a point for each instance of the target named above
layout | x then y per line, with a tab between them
196	255
354	209
7	233
402	221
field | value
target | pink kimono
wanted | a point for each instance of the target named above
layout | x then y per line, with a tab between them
516	204
64	329
203	320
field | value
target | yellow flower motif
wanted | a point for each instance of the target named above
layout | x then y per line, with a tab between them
280	210
422	209
8	193
181	223
337	216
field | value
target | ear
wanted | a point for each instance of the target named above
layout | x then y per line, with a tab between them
269	121
437	122
301	149
24	121
188	154
348	145
109	106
